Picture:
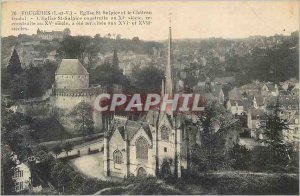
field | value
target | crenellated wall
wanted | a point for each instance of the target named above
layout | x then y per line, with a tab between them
71	81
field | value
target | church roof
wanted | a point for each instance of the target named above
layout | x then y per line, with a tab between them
129	128
71	67
132	128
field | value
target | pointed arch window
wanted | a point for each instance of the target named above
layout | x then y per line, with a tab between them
117	156
142	148
165	132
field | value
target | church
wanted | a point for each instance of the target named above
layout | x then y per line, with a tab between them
150	146
161	142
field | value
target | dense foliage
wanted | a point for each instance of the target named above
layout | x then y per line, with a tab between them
83	118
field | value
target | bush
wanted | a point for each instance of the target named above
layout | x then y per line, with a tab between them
250	184
114	191
241	157
151	186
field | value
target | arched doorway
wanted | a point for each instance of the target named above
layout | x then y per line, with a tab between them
141	172
165	170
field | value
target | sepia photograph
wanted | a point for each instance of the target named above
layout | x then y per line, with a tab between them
148	97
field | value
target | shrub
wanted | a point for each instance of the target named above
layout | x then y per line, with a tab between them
241	157
250	184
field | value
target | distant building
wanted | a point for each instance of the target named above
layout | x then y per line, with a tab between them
22	177
269	88
238	107
235	94
259	102
50	35
255	120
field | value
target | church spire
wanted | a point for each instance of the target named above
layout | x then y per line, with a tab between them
169	77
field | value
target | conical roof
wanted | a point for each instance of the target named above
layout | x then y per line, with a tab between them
71	67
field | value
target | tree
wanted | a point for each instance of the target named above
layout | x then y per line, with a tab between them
7	171
14	64
57	150
46	161
5	78
241	157
82	117
273	130
148	79
77	182
135	39
55	171
18	86
60	175
63	178
67	147
213	122
78	47
107	73
30	83
34	81
115	61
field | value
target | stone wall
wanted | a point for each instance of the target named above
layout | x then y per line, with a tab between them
71	81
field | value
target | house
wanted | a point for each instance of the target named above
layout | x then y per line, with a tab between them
289	103
269	88
218	93
238	107
22	176
255	119
259	102
252	89
235	94
210	91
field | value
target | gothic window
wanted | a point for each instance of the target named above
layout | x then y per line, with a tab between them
118	158
142	172
142	149
164	133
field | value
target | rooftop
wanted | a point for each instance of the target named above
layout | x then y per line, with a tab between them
71	67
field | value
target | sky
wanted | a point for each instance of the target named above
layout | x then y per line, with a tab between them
194	19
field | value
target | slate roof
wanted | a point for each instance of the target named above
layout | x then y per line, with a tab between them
71	67
132	128
244	102
129	128
256	85
270	86
235	94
